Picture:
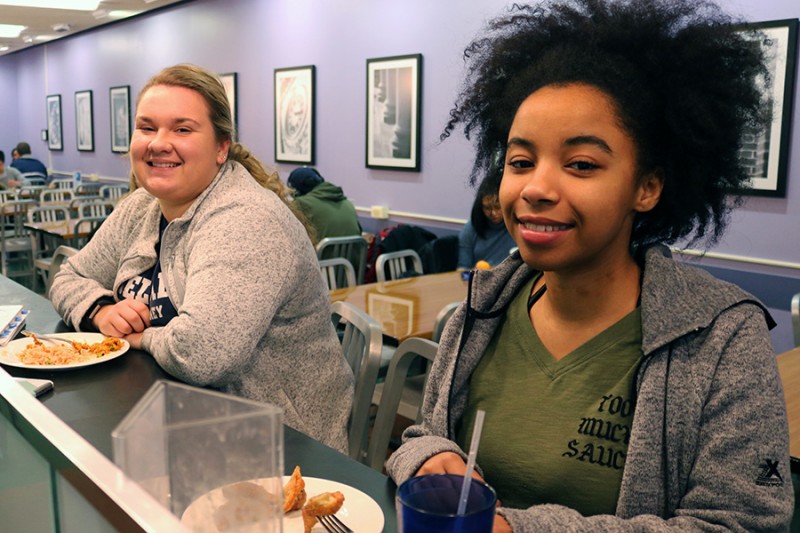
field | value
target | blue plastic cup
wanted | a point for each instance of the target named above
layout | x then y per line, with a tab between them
429	504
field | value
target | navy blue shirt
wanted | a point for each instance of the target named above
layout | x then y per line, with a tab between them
27	163
147	284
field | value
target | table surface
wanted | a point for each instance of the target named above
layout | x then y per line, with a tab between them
60	228
93	400
789	368
406	307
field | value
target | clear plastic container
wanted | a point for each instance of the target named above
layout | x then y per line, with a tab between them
214	460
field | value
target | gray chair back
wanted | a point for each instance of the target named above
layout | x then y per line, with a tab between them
441	320
352	248
85	228
361	342
97	208
113	192
16	246
394	388
62	196
59	256
391	265
337	272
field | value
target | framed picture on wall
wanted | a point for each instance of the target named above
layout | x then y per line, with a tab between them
120	99
394	86
84	121
229	82
54	130
294	114
766	151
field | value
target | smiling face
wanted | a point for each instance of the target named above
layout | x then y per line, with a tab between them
570	191
174	150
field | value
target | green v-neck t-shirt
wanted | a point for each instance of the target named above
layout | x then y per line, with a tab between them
556	431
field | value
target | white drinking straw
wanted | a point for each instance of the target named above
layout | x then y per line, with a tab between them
473	453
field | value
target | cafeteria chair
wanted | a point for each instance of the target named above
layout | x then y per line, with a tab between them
353	248
441	320
397	398
33	179
61	196
66	184
59	256
96	208
338	273
16	247
394	265
8	195
42	251
85	228
113	192
30	192
796	318
88	189
361	342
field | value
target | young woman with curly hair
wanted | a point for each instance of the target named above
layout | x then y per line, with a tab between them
623	391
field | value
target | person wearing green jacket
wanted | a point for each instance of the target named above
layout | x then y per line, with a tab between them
324	204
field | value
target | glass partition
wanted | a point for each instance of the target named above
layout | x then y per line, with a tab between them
51	479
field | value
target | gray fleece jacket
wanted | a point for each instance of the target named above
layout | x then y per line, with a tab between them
709	441
253	313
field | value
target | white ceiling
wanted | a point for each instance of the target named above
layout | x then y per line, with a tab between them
40	21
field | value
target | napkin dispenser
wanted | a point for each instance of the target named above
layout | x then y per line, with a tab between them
189	446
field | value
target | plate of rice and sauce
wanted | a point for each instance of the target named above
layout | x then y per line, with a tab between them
85	349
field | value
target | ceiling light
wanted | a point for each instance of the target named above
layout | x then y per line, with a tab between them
79	5
11	31
4	48
122	13
42	38
27	39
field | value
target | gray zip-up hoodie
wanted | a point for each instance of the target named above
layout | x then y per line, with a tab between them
709	441
253	312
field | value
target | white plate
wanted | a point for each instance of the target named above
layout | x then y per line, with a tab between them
360	512
9	355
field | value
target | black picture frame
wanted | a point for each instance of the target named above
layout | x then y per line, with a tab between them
394	112
295	114
55	137
84	121
119	99
230	82
766	152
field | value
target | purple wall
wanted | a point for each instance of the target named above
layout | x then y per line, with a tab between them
253	37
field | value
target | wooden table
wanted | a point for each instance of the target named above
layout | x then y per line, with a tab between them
406	307
94	399
789	368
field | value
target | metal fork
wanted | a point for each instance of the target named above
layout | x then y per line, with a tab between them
46	337
332	524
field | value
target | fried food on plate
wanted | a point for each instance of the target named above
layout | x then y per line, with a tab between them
327	503
294	492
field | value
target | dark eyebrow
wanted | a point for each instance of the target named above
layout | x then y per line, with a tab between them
519	141
589	139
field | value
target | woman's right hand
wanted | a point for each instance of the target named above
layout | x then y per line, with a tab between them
445	463
122	318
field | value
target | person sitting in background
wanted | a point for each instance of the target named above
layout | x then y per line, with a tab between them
623	390
10	177
26	162
178	271
324	204
484	237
